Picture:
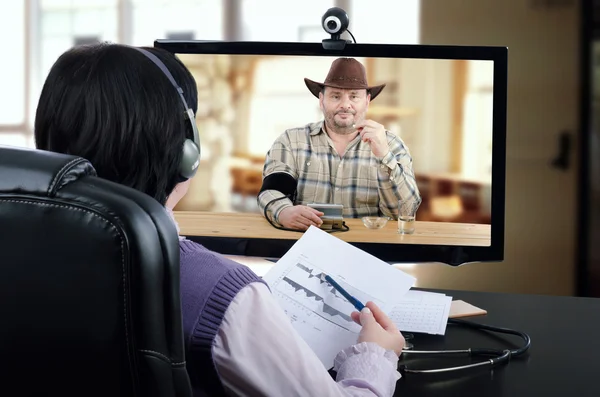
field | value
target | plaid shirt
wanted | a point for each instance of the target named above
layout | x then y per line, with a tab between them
362	183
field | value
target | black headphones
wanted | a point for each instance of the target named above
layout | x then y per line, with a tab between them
191	148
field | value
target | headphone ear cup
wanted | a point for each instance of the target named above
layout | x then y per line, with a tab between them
190	159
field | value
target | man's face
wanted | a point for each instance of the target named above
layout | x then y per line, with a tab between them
342	108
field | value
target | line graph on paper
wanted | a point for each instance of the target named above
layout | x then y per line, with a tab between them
301	286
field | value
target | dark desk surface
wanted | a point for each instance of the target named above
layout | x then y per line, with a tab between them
563	360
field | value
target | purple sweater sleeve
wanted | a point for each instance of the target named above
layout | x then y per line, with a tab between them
258	352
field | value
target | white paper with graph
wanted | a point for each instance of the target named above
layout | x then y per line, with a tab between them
317	311
420	311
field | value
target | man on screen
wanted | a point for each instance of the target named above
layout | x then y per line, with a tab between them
343	159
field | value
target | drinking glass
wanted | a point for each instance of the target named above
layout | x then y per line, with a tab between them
407	211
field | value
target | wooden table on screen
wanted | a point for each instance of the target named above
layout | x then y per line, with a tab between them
248	225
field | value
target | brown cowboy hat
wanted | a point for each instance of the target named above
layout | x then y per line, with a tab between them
345	73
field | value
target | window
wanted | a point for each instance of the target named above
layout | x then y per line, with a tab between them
68	23
373	21
12	78
16	139
385	21
161	19
276	20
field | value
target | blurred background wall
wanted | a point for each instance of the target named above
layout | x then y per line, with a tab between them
542	236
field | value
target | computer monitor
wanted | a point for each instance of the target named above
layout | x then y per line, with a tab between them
444	105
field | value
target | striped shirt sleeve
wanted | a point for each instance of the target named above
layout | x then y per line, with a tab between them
397	178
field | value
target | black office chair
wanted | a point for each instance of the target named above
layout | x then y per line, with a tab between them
89	284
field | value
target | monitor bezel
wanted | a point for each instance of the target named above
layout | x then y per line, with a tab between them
394	253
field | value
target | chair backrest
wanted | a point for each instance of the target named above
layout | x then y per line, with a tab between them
89	284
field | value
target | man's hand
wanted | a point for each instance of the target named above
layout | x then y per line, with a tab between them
300	217
374	134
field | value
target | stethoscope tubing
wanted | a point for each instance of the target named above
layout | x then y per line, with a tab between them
498	356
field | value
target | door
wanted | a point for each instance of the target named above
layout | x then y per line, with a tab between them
542	103
592	279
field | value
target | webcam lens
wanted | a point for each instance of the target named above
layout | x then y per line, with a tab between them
331	24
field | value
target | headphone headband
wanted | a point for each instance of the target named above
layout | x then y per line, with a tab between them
191	149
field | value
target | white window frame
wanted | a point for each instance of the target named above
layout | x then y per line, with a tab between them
24	127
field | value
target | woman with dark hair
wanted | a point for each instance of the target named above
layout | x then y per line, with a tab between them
112	105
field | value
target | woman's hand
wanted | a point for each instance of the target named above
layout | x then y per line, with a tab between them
377	327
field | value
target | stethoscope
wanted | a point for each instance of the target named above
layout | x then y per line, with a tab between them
495	357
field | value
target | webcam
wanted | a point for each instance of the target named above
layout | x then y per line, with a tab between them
335	21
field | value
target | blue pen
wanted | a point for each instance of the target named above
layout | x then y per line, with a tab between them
355	302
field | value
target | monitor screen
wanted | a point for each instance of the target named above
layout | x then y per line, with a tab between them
411	134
